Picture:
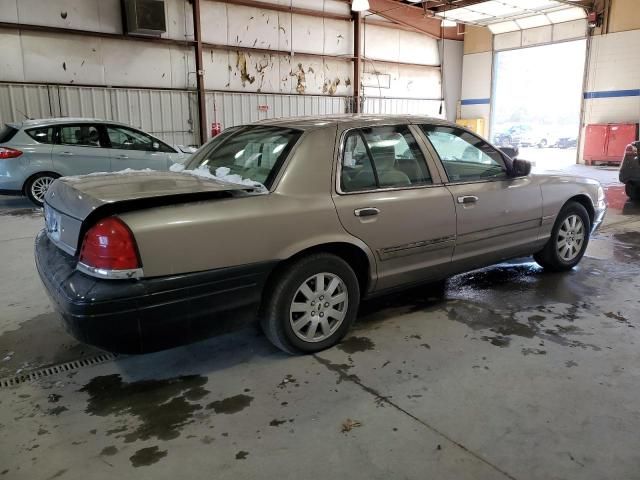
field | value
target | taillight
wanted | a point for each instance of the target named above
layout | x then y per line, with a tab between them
109	245
6	152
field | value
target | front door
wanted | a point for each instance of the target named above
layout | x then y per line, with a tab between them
497	216
80	150
389	198
136	150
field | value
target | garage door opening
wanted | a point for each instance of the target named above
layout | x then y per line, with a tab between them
536	102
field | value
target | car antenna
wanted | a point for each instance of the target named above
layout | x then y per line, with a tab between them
24	115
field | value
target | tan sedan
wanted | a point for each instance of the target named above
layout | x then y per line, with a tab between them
294	222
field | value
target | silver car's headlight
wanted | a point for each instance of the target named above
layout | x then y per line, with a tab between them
601	195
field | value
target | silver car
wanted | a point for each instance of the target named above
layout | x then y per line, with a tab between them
294	221
36	152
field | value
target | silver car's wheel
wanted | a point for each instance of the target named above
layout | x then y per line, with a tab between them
310	303
319	307
568	241
37	186
570	238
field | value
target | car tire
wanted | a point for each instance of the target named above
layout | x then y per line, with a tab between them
298	329
569	239
36	187
632	191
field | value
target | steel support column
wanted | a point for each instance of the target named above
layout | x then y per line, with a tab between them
202	107
357	64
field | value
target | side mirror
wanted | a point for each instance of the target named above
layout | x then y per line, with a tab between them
520	168
511	152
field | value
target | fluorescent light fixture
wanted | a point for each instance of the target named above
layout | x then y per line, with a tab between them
503	27
448	23
360	5
566	14
532	21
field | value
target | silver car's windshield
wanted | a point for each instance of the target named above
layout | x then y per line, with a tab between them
253	153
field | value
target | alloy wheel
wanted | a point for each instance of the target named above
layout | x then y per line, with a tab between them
319	307
40	186
571	237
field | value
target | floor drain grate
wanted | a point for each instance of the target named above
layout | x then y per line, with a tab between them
55	369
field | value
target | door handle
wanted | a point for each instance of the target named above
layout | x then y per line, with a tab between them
66	153
366	212
467	199
122	156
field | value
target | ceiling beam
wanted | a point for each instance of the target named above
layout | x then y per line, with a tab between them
413	17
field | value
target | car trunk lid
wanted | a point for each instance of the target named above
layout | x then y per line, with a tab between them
73	203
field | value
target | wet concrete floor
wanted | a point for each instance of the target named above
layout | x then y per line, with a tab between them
511	372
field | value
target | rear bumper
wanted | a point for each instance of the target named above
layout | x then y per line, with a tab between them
136	316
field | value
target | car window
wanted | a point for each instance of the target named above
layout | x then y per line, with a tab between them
247	155
41	135
382	157
7	133
82	135
464	156
123	138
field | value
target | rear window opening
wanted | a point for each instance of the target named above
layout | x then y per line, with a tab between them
7	133
247	155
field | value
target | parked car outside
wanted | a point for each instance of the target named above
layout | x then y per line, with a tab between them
630	171
295	221
36	152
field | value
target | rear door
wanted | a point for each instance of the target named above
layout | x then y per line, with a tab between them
79	149
131	148
497	216
390	196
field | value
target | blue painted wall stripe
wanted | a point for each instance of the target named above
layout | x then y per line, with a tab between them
476	101
612	94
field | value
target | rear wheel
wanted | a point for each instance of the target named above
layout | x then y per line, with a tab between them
36	187
311	305
568	241
632	191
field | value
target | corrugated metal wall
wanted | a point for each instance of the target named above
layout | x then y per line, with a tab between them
231	109
171	114
167	114
400	106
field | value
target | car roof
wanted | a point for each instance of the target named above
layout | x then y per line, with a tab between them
348	120
40	122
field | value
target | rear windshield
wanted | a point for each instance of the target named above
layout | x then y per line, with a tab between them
246	155
6	133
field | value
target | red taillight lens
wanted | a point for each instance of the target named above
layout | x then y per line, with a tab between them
6	152
109	245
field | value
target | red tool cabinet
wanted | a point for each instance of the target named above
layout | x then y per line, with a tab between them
607	142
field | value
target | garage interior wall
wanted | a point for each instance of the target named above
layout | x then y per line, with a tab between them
612	87
612	93
277	63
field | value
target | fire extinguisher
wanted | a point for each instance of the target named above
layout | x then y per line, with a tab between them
216	129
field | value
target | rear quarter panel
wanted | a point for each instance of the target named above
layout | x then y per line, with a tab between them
36	157
557	190
296	215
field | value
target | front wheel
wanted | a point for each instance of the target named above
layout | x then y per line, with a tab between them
36	187
568	241
632	191
311	305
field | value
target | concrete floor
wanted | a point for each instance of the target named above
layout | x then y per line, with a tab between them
514	374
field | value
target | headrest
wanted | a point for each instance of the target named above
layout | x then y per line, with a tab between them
384	156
